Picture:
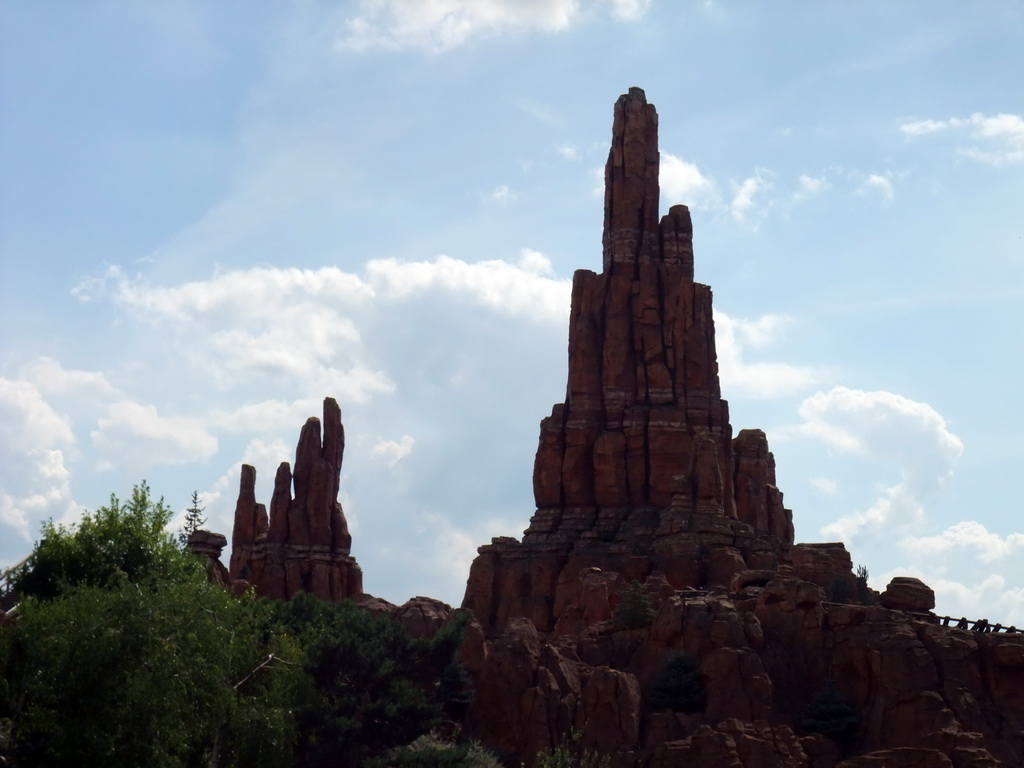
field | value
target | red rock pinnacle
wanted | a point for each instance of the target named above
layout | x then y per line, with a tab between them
305	543
637	468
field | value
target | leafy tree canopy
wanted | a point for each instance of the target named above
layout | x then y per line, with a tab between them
128	538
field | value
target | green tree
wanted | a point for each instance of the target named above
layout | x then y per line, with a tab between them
194	520
128	538
678	686
634	610
158	673
830	713
372	686
125	654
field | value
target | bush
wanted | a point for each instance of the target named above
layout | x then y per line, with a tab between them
830	713
678	686
570	754
123	539
431	752
634	610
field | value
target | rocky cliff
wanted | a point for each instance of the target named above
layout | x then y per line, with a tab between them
638	478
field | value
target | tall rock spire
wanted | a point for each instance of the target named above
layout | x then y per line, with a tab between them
304	544
637	468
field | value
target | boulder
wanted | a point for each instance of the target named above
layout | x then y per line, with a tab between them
906	593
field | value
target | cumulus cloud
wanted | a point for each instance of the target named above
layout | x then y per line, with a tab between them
759	380
883	425
500	194
36	481
878	184
266	321
135	435
441	25
683	182
392	451
967	535
999	138
747	204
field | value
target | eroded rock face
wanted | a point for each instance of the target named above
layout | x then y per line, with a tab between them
304	543
637	471
927	694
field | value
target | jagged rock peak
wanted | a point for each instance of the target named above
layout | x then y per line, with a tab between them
631	183
304	543
636	471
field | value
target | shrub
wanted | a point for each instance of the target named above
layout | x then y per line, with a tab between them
830	713
634	610
570	754
678	686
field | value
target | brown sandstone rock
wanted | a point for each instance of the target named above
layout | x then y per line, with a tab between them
304	545
209	545
637	471
905	593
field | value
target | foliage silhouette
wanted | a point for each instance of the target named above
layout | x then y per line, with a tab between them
678	686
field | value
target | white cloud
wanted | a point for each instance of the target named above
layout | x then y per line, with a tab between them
629	10
760	380
878	184
682	182
500	194
966	535
811	185
135	435
392	451
36	482
283	323
825	485
1000	137
569	152
522	289
441	25
887	426
747	199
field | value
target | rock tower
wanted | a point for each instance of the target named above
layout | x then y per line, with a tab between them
637	471
304	544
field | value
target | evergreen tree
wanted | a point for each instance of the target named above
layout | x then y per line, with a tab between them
678	686
830	713
194	520
372	686
634	610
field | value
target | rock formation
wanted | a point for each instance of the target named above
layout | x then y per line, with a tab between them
638	478
304	544
637	471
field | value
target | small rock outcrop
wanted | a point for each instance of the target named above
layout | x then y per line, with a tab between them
906	593
304	543
209	545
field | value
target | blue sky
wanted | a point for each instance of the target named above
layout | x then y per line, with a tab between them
212	215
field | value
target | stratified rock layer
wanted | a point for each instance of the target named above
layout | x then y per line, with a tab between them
638	470
304	544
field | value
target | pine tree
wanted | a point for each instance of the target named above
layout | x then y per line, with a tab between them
831	714
678	686
194	519
634	610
